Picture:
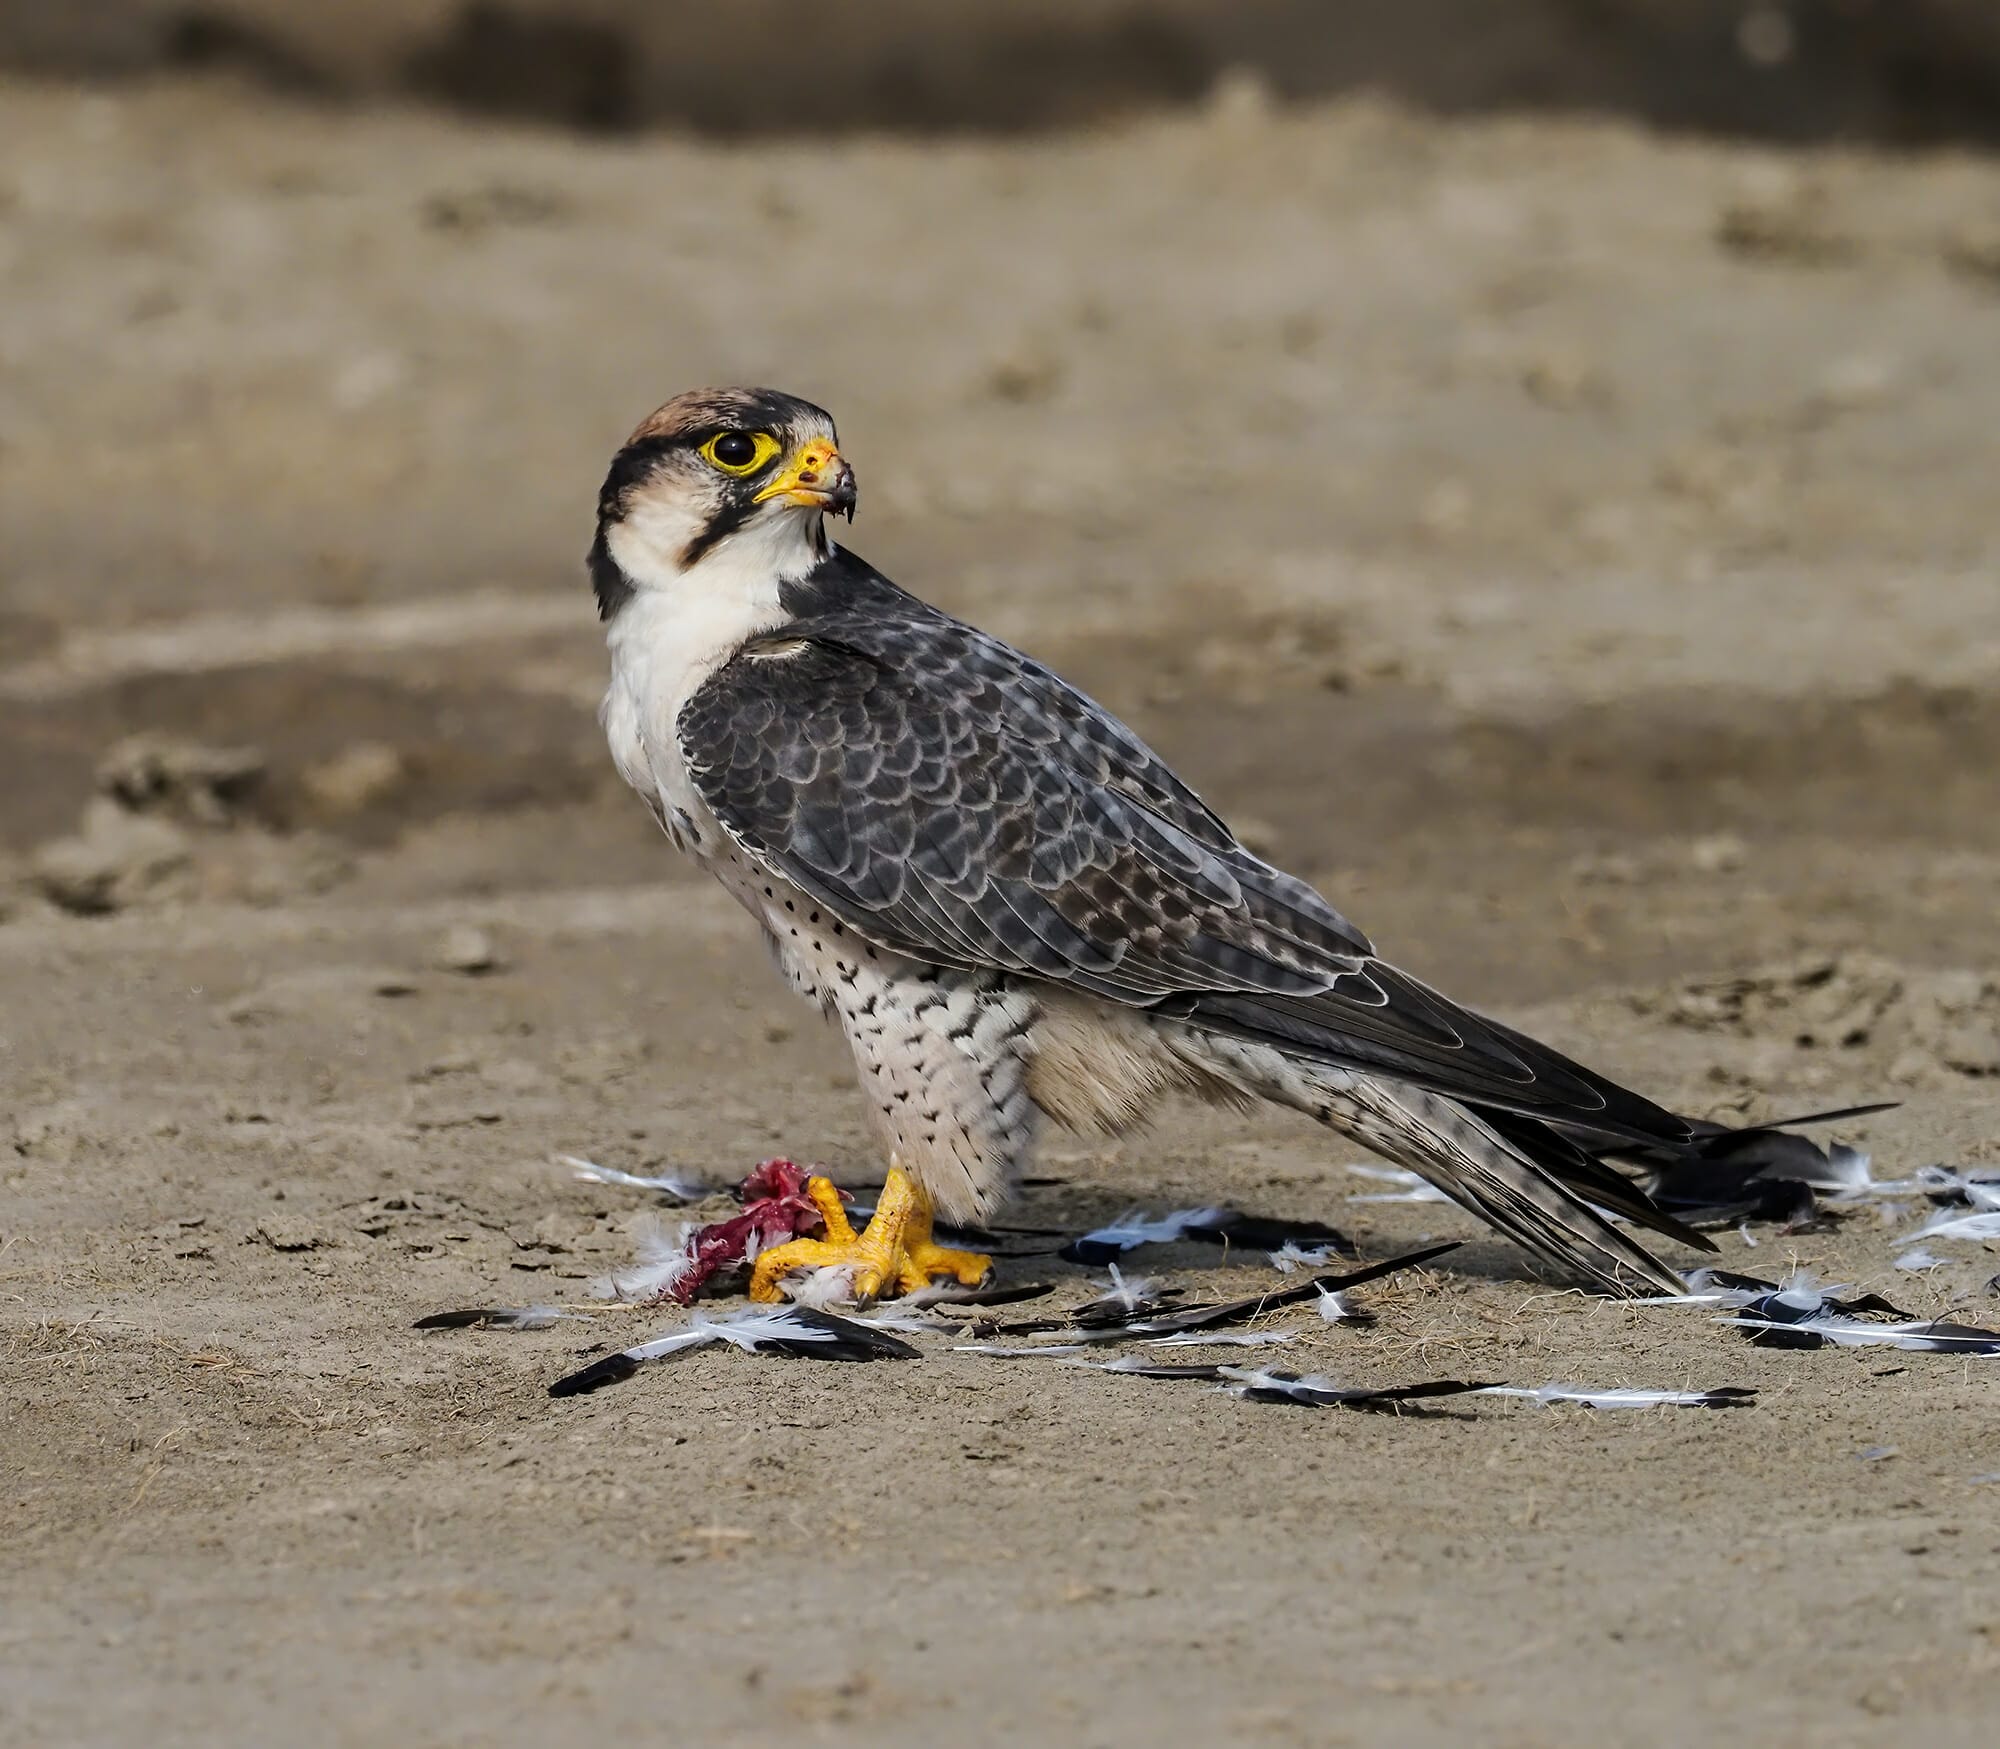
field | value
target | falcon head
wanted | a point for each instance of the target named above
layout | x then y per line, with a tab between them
718	476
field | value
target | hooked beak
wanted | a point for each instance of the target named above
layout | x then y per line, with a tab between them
817	478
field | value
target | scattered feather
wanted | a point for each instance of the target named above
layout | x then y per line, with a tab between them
1129	1294
1429	1193
1211	1226
665	1263
1625	1397
1386	1174
1847	1171
1719	1287
795	1331
1223	1339
1966	1186
1982	1224
1027	1351
1140	1367
1412	1186
497	1318
1138	1309
1765	1172
1135	1228
1243	1311
1267	1385
1800	1296
1262	1233
616	1368
800	1332
1292	1256
1937	1336
1337	1308
588	1171
1920	1259
1124	1301
953	1293
1774	1323
900	1315
826	1290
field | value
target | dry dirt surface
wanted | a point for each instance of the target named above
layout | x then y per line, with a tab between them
1574	551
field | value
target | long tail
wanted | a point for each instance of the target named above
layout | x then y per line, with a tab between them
1514	1180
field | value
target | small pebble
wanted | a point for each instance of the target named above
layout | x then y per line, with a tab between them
467	949
1723	853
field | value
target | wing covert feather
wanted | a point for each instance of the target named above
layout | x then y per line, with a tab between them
953	801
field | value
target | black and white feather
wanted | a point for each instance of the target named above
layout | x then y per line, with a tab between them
795	1331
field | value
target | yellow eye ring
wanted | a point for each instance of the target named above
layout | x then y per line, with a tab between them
740	452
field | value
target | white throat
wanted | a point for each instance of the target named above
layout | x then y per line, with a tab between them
693	618
681	624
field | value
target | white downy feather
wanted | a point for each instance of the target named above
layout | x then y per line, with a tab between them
664	1261
535	1318
826	1289
1129	1294
1292	1256
1336	1308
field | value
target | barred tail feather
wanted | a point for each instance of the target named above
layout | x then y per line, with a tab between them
1494	1177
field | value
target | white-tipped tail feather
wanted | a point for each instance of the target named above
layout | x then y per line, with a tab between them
1495	1176
1476	1166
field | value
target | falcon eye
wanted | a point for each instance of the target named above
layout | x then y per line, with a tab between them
740	452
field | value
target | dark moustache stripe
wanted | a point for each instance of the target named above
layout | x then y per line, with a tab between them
607	577
725	522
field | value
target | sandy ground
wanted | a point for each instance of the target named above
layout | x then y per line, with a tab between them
1575	552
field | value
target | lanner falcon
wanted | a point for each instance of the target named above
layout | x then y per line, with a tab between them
1016	913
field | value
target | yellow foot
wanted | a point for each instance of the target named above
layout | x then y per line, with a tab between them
894	1255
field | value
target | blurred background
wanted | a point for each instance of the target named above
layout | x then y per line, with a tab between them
1529	462
1562	426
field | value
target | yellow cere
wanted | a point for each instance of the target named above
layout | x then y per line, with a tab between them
800	480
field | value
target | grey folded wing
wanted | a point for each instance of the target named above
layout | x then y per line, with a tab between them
951	800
